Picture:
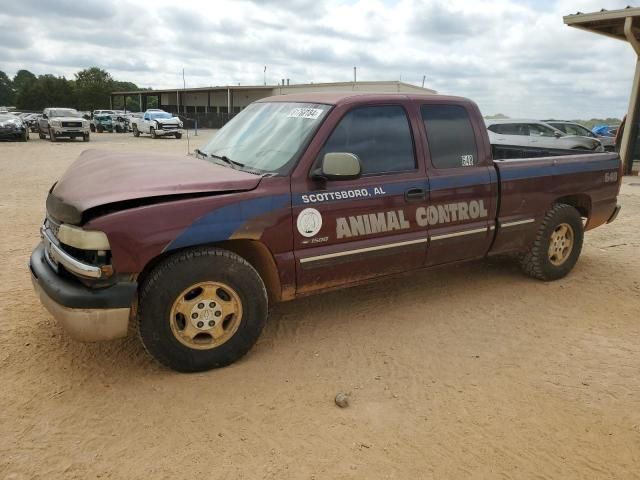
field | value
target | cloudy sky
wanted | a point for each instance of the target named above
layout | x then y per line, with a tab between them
512	57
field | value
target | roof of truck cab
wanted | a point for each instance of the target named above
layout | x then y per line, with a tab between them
337	98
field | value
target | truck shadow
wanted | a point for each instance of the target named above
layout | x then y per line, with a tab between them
300	320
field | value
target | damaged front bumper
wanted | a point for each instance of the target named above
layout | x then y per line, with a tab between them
87	314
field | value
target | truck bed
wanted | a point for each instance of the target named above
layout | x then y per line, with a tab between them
528	188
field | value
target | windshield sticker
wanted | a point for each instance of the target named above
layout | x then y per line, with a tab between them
310	113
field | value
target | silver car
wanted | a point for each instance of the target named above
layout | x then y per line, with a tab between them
573	128
534	133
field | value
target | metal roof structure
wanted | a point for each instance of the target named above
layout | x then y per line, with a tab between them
606	22
623	24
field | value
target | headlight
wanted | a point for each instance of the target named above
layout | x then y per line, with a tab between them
85	123
55	123
180	125
83	239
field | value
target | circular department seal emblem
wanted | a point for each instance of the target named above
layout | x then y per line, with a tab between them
309	222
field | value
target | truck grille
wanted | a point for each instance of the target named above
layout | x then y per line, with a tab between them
72	124
165	126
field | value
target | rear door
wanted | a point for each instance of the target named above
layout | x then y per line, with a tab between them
350	230
462	181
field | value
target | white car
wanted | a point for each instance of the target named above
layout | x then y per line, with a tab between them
537	134
572	128
157	123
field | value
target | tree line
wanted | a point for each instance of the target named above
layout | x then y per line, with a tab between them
88	90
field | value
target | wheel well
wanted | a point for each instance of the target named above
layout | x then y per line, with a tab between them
580	202
254	252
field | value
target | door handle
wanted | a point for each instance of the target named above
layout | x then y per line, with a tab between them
415	195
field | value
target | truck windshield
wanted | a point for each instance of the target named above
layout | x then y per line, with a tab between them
64	113
267	136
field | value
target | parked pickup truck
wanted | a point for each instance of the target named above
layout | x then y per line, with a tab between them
157	123
299	194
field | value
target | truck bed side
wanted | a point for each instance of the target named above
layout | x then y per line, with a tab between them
529	187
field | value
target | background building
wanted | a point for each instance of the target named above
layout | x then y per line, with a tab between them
213	106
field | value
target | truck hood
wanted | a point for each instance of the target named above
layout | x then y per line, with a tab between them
99	178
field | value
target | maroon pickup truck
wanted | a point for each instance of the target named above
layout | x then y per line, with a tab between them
299	194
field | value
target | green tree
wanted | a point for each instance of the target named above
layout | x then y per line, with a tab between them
47	91
7	94
93	86
22	79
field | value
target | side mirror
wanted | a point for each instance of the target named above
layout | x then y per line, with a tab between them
339	166
557	134
44	115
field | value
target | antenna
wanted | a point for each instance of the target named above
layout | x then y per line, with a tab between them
184	88
265	74
354	74
424	77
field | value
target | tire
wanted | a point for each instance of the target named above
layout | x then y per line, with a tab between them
178	136
118	129
92	127
153	132
25	137
85	138
136	132
52	137
41	135
548	260
179	282
100	128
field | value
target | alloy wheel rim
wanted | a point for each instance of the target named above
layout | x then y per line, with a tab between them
561	244
206	315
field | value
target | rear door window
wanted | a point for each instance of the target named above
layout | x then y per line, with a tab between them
452	142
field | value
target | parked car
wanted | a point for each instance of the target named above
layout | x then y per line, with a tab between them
298	195
13	128
157	123
98	112
58	123
537	134
103	122
573	128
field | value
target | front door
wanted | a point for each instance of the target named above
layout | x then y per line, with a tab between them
351	230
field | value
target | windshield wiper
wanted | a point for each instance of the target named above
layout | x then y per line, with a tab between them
227	160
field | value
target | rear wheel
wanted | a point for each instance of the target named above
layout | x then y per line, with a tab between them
201	309
557	245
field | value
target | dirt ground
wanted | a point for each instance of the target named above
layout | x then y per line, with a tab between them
474	371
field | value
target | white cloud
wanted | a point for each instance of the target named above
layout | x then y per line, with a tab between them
516	58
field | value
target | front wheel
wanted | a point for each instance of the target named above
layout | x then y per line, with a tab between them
178	136
100	128
85	137
201	309
92	127
153	133
136	132
52	137
557	245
